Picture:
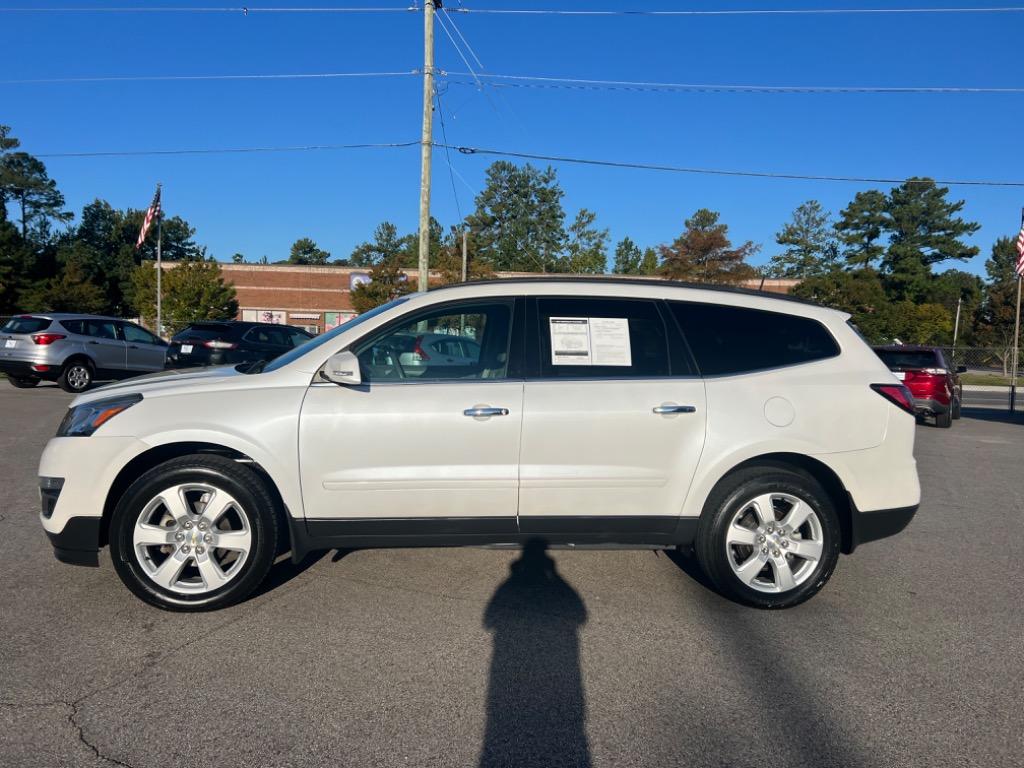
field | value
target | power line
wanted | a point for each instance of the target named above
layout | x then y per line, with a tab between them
529	81
227	150
719	172
447	153
164	78
733	12
244	10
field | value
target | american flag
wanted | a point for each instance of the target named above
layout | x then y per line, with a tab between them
151	215
1020	250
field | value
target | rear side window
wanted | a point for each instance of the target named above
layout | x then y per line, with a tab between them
601	338
25	325
100	329
269	335
728	340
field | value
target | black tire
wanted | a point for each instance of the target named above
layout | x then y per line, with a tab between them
223	474
22	383
733	494
76	376
956	409
944	420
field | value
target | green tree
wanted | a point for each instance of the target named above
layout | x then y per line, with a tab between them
387	282
860	293
810	246
193	290
25	182
704	253
628	258
69	291
925	231
238	258
999	305
650	264
952	286
860	228
586	249
519	221
385	246
305	251
449	261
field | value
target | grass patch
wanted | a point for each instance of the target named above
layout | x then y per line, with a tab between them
985	379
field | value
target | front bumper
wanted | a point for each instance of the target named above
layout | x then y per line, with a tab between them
72	515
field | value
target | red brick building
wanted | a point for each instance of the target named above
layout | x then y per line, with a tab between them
318	298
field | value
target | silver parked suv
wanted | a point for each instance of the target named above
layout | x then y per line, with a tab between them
73	350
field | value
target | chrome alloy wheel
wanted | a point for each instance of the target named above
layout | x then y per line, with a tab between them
192	538
774	542
78	376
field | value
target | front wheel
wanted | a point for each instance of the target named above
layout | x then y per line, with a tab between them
769	537
194	534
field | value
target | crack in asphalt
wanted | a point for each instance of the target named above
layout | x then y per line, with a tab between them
148	663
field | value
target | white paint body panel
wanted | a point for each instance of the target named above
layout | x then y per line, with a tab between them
596	448
407	450
585	448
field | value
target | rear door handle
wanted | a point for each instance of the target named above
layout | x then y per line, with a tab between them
663	409
478	412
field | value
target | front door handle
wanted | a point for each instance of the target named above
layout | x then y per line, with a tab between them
479	412
663	409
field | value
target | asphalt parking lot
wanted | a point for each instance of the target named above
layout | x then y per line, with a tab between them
911	656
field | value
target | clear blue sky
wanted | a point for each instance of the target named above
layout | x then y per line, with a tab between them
260	203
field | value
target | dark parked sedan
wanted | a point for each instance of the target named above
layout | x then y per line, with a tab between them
232	342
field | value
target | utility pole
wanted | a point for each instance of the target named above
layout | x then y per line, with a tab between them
465	261
159	266
956	328
426	143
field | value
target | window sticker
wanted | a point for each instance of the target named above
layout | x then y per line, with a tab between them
590	341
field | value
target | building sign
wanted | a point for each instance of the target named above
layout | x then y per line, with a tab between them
334	319
275	316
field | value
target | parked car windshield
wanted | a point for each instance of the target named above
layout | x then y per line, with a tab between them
290	357
25	325
898	360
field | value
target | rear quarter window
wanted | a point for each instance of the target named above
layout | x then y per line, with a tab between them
25	325
730	340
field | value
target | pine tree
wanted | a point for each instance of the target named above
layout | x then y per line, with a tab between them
860	228
704	253
811	248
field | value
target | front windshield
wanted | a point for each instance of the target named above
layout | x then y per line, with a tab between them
290	357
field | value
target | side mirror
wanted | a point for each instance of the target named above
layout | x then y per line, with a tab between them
343	369
961	369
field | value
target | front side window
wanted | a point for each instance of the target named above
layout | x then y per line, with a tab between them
417	349
601	338
268	335
728	340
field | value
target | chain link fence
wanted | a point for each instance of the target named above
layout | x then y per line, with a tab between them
993	361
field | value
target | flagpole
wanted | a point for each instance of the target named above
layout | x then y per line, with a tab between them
1016	333
159	268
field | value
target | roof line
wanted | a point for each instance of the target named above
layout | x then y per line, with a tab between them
595	280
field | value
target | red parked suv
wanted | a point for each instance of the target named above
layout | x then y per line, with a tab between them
934	384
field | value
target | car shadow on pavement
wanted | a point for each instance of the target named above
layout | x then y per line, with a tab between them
782	687
995	414
536	709
284	570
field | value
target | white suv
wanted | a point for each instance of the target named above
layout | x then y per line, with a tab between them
762	432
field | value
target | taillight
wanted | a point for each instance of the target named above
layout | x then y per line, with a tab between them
897	394
42	339
215	344
418	349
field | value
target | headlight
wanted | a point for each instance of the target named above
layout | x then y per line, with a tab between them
83	420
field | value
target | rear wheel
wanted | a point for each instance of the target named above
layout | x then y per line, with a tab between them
944	420
956	409
194	534
22	383
769	537
76	376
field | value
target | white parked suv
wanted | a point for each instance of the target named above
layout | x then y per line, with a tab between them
761	432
